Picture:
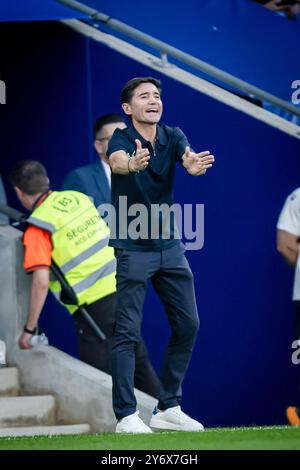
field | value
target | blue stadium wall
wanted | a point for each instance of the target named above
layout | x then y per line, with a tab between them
241	371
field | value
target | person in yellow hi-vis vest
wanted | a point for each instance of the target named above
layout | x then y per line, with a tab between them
65	227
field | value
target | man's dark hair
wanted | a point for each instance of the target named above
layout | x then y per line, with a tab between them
30	176
106	119
129	87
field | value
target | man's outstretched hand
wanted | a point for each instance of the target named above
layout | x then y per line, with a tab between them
197	164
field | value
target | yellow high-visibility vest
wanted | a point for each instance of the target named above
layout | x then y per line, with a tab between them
80	245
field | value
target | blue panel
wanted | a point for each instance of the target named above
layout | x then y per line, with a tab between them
237	36
35	10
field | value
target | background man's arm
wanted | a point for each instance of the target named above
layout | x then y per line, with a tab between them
38	294
74	182
287	245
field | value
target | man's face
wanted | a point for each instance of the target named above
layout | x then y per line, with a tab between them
145	106
104	136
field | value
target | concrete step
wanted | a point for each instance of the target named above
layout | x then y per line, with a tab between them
45	430
27	411
9	381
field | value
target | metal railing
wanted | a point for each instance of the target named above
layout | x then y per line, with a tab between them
165	49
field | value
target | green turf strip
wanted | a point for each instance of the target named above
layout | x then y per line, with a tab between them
262	438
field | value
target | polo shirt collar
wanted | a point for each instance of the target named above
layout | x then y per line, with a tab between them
160	135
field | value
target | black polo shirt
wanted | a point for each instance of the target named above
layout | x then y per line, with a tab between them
145	228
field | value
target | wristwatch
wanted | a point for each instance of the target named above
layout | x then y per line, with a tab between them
27	330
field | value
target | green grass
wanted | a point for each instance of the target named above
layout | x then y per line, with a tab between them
258	438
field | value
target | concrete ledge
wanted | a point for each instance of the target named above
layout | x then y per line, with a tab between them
9	381
20	411
45	430
83	394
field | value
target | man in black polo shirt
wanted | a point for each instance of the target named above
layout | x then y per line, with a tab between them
143	159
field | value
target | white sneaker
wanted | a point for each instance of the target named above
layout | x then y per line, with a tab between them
132	424
174	419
